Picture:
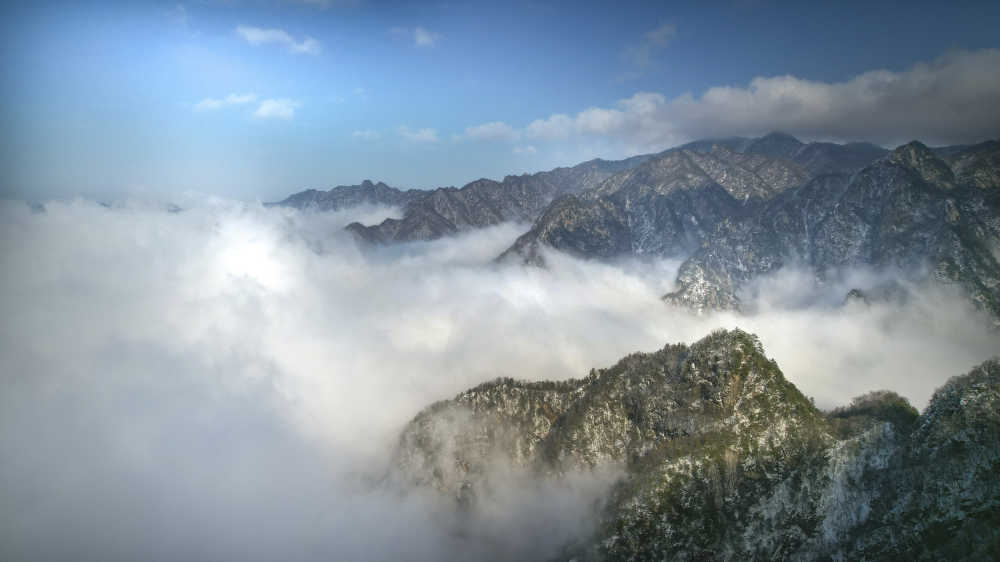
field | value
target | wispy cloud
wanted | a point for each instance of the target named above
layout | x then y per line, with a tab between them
366	135
421	36
425	135
526	149
211	104
641	56
282	108
497	130
260	36
178	14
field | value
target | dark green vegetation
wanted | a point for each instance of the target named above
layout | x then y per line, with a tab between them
724	459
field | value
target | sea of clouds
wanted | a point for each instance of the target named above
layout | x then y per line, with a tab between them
228	381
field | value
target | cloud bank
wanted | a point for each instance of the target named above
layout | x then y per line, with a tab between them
949	100
227	382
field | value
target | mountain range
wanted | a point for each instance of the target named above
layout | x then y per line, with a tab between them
720	456
734	209
724	459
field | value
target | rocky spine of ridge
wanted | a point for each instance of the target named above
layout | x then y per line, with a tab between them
908	211
724	459
347	196
666	206
445	211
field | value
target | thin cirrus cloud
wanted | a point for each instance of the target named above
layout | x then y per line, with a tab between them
261	36
641	56
949	100
366	135
425	135
281	108
421	36
211	104
497	130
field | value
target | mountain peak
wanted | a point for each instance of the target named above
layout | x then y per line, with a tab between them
780	136
916	156
913	147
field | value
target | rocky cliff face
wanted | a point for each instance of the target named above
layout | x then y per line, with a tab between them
725	460
908	211
666	206
449	210
672	203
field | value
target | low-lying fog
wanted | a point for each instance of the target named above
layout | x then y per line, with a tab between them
227	382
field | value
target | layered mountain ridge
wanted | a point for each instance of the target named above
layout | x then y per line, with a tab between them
431	214
724	459
734	210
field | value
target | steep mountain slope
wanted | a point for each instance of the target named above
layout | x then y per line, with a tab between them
665	206
976	166
907	211
816	157
448	210
725	460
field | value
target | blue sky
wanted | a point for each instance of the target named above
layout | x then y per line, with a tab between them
255	99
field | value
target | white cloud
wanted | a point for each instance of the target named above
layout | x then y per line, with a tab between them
949	100
209	104
642	55
366	135
425	135
282	108
424	37
248	421
421	36
496	130
260	36
525	149
557	126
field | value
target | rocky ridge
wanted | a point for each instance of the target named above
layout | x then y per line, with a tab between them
908	211
431	214
673	202
724	459
347	196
